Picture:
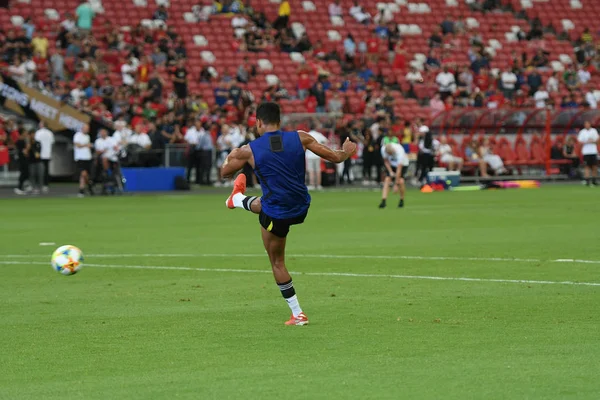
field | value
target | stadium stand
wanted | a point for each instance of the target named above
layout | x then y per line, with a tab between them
501	56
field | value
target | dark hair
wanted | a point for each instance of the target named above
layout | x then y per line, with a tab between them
269	113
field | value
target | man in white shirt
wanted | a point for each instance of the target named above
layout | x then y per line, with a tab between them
128	71
509	81
359	14
583	75
121	135
540	97
313	162
446	83
46	139
588	137
192	137
414	76
396	165
140	138
82	153
446	155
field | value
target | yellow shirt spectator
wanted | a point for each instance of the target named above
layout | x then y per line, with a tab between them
284	9
40	45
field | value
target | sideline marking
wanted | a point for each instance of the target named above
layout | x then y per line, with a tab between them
328	274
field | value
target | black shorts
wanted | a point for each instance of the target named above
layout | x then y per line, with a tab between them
84	165
590	160
279	227
395	170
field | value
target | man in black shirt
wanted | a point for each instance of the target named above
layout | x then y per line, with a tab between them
36	168
180	80
23	159
155	86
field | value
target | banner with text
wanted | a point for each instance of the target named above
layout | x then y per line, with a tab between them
31	103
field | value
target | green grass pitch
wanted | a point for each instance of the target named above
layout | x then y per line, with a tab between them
177	301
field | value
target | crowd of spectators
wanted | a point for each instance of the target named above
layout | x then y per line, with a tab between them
79	72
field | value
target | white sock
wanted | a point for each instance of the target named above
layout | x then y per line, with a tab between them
294	305
238	199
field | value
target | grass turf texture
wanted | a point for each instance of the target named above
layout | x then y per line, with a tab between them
123	333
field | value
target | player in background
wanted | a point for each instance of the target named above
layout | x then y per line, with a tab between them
313	162
588	137
277	158
396	163
82	153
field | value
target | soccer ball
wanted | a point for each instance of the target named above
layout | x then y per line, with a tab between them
67	260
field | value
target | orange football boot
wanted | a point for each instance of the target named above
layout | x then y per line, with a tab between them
239	186
299	320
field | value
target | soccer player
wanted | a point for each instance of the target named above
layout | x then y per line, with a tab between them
396	165
277	158
588	137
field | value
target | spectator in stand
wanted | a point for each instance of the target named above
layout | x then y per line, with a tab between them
400	56
588	137
447	25
446	83
128	71
349	48
435	40
39	44
335	9
491	159
436	104
583	75
357	12
155	86
180	80
509	82
159	58
414	76
320	96
540	59
432	63
552	83
283	17
537	31
495	99
541	96
446	155
335	103
373	48
85	17
57	66
534	81
304	80
569	102
383	17
161	13
570	77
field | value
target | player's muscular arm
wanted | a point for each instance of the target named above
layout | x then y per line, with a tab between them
236	161
336	156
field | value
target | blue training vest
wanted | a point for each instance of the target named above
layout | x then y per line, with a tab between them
279	165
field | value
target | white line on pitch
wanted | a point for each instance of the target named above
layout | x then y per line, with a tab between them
329	274
339	256
334	256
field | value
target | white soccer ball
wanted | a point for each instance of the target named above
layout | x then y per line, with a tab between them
67	260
